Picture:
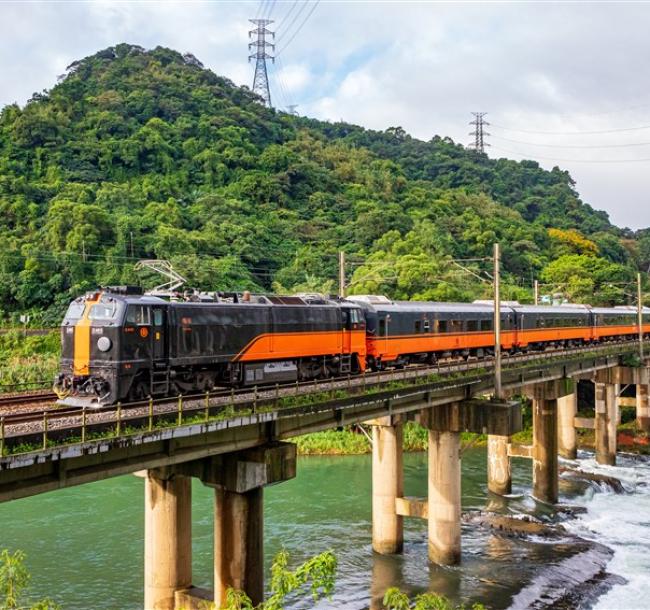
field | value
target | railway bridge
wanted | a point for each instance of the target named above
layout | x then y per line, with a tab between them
236	443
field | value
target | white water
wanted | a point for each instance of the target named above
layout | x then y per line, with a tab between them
621	522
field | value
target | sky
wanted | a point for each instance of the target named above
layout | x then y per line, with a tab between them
564	83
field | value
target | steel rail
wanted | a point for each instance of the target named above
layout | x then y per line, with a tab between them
174	411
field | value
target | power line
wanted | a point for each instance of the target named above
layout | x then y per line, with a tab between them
557	159
288	13
591	146
572	133
269	9
311	12
260	6
479	133
261	78
284	33
279	69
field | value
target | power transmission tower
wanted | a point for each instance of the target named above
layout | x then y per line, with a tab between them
261	79
479	133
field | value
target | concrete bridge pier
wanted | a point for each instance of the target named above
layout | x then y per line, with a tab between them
605	424
500	419
387	485
566	431
545	436
238	544
498	465
168	537
238	480
642	407
444	497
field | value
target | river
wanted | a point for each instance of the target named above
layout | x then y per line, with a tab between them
84	545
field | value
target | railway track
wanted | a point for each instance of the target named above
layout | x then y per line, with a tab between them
26	398
38	421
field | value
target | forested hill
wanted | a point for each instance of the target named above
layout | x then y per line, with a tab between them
145	154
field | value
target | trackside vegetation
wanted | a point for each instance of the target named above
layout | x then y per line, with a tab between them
146	154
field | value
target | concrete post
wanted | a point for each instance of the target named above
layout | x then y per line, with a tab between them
566	432
168	539
545	471
444	497
238	544
498	466
642	407
387	486
605	404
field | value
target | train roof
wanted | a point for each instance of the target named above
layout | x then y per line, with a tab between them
553	309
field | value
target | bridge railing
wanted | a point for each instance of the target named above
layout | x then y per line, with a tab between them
26	433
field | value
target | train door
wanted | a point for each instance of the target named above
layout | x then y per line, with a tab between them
347	327
159	331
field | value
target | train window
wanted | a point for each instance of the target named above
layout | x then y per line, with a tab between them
472	326
418	327
486	324
455	326
138	314
158	317
382	328
442	326
427	326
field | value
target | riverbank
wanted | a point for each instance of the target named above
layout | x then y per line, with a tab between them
353	441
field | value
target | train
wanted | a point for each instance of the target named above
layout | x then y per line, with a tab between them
119	344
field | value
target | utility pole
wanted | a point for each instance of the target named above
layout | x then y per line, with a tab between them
342	274
131	236
536	291
640	313
83	250
261	79
498	391
479	133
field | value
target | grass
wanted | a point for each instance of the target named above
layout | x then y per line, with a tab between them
28	361
351	441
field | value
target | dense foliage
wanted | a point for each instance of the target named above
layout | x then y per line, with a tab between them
145	154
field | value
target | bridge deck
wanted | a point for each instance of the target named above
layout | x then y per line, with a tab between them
257	421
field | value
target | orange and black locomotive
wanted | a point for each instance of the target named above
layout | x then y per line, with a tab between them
119	344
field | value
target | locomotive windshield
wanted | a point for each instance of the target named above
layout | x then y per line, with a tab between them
107	309
75	311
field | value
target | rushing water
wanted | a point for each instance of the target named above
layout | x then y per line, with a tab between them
85	544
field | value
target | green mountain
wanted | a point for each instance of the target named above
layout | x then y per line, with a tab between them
145	154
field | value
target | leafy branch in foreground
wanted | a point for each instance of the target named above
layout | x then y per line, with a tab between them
394	599
315	575
14	579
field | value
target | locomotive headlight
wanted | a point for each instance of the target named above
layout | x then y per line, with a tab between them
104	344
